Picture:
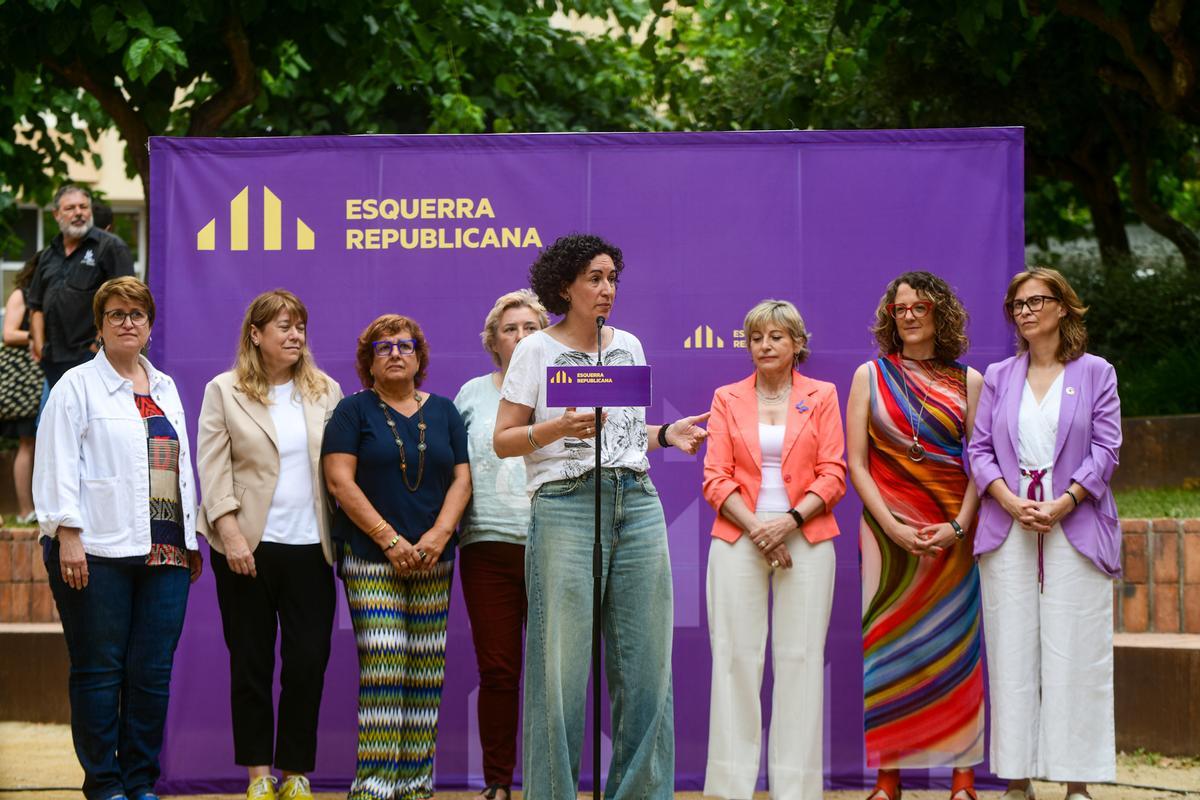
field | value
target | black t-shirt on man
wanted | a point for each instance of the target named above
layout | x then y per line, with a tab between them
63	287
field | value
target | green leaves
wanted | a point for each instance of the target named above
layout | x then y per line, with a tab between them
146	57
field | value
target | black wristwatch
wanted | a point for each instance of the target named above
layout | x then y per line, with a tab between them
796	515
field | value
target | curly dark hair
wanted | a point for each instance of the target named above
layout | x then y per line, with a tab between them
949	317
559	264
389	325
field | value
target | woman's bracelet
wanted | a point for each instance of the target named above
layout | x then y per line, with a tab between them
532	442
958	531
392	543
662	435
377	527
1074	499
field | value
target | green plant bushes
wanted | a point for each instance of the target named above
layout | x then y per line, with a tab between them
1144	317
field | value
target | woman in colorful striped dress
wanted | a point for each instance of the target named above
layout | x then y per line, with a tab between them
909	415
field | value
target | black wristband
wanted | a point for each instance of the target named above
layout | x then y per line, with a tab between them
958	531
1074	499
796	515
662	435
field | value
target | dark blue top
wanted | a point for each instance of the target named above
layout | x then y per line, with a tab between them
358	427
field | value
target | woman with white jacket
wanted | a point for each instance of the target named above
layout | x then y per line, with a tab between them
116	505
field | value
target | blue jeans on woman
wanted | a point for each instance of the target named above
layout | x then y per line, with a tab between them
121	632
637	627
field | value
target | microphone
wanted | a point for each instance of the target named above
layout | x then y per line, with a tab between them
599	337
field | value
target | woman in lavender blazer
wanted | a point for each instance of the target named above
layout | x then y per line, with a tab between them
1042	453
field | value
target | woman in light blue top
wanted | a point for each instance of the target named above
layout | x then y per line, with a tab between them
492	543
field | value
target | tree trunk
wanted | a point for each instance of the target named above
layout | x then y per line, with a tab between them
1108	218
1097	183
1133	142
1094	180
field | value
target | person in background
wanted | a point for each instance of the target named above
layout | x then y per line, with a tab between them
909	417
265	514
116	503
69	271
491	544
1046	442
24	428
773	472
102	217
395	459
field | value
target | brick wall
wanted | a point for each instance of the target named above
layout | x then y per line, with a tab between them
1160	591
24	588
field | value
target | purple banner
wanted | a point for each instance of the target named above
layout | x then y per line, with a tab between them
437	227
580	387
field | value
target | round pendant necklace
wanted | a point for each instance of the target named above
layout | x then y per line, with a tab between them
387	414
916	451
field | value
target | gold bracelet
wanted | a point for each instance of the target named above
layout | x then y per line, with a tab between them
377	527
529	435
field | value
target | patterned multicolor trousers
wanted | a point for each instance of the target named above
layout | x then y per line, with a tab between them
400	628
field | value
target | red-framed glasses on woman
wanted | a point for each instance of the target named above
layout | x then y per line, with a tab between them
919	309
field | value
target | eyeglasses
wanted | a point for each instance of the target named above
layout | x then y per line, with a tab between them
919	309
405	347
117	318
1033	303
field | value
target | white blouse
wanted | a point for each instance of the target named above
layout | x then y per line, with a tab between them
1037	430
772	494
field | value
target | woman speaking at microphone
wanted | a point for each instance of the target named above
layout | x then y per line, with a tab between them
577	278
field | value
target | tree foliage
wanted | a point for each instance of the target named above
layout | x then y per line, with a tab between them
249	67
1106	138
1106	89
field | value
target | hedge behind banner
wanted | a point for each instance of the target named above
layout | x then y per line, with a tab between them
437	227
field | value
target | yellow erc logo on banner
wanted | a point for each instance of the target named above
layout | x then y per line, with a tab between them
561	377
239	225
703	338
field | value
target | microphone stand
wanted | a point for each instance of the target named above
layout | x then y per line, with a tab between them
597	569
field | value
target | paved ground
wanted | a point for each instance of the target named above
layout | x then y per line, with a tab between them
35	760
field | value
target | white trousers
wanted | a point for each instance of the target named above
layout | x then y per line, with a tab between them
1050	661
739	580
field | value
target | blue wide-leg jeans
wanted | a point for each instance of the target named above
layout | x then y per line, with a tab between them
637	629
121	633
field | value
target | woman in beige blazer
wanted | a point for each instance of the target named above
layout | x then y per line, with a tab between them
265	514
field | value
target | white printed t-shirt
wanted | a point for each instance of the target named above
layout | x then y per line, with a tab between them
624	440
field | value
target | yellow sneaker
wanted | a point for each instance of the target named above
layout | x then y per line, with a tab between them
261	788
295	788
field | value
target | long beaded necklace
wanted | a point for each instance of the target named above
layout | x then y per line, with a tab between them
387	414
916	451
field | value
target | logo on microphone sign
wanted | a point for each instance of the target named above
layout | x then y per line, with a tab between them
239	225
561	377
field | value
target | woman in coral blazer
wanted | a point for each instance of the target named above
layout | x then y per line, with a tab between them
265	514
1045	445
773	471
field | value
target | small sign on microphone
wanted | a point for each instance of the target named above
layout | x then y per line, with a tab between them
588	387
